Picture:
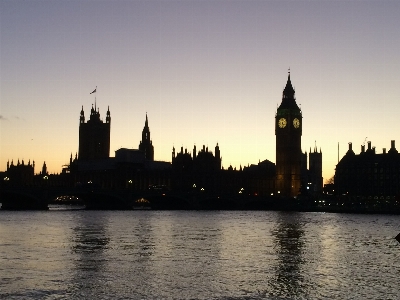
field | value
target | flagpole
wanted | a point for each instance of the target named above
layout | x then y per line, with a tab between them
95	97
94	92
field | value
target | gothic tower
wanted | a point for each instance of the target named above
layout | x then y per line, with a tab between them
218	158
146	145
315	170
288	128
94	136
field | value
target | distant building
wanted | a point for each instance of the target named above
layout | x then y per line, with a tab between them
200	171
311	178
44	170
288	178
369	174
20	174
94	136
130	168
259	180
315	171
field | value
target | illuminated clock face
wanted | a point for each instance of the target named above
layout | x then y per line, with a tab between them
296	123
282	123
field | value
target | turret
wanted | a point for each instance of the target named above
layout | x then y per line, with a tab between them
82	118
217	153
44	169
108	116
218	157
392	148
350	151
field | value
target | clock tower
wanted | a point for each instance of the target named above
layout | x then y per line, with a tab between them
288	128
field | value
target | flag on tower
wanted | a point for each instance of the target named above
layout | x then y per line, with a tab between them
94	91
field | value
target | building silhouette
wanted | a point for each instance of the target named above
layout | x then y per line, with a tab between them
129	168
311	172
200	171
146	144
20	174
189	173
259	180
369	174
289	177
94	136
288	130
315	178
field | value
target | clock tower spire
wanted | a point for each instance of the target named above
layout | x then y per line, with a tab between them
288	130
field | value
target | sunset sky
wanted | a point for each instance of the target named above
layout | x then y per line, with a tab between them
206	72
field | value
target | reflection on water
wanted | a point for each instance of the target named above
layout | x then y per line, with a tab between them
197	255
194	249
142	247
89	241
288	243
89	238
144	239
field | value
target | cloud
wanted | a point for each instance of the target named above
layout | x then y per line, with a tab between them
3	118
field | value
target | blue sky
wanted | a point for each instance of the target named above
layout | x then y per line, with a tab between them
206	72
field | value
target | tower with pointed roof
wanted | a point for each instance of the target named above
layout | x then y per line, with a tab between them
94	135
146	144
44	169
288	131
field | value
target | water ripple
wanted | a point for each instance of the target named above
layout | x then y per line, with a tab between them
197	255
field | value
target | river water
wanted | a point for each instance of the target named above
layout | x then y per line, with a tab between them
77	254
